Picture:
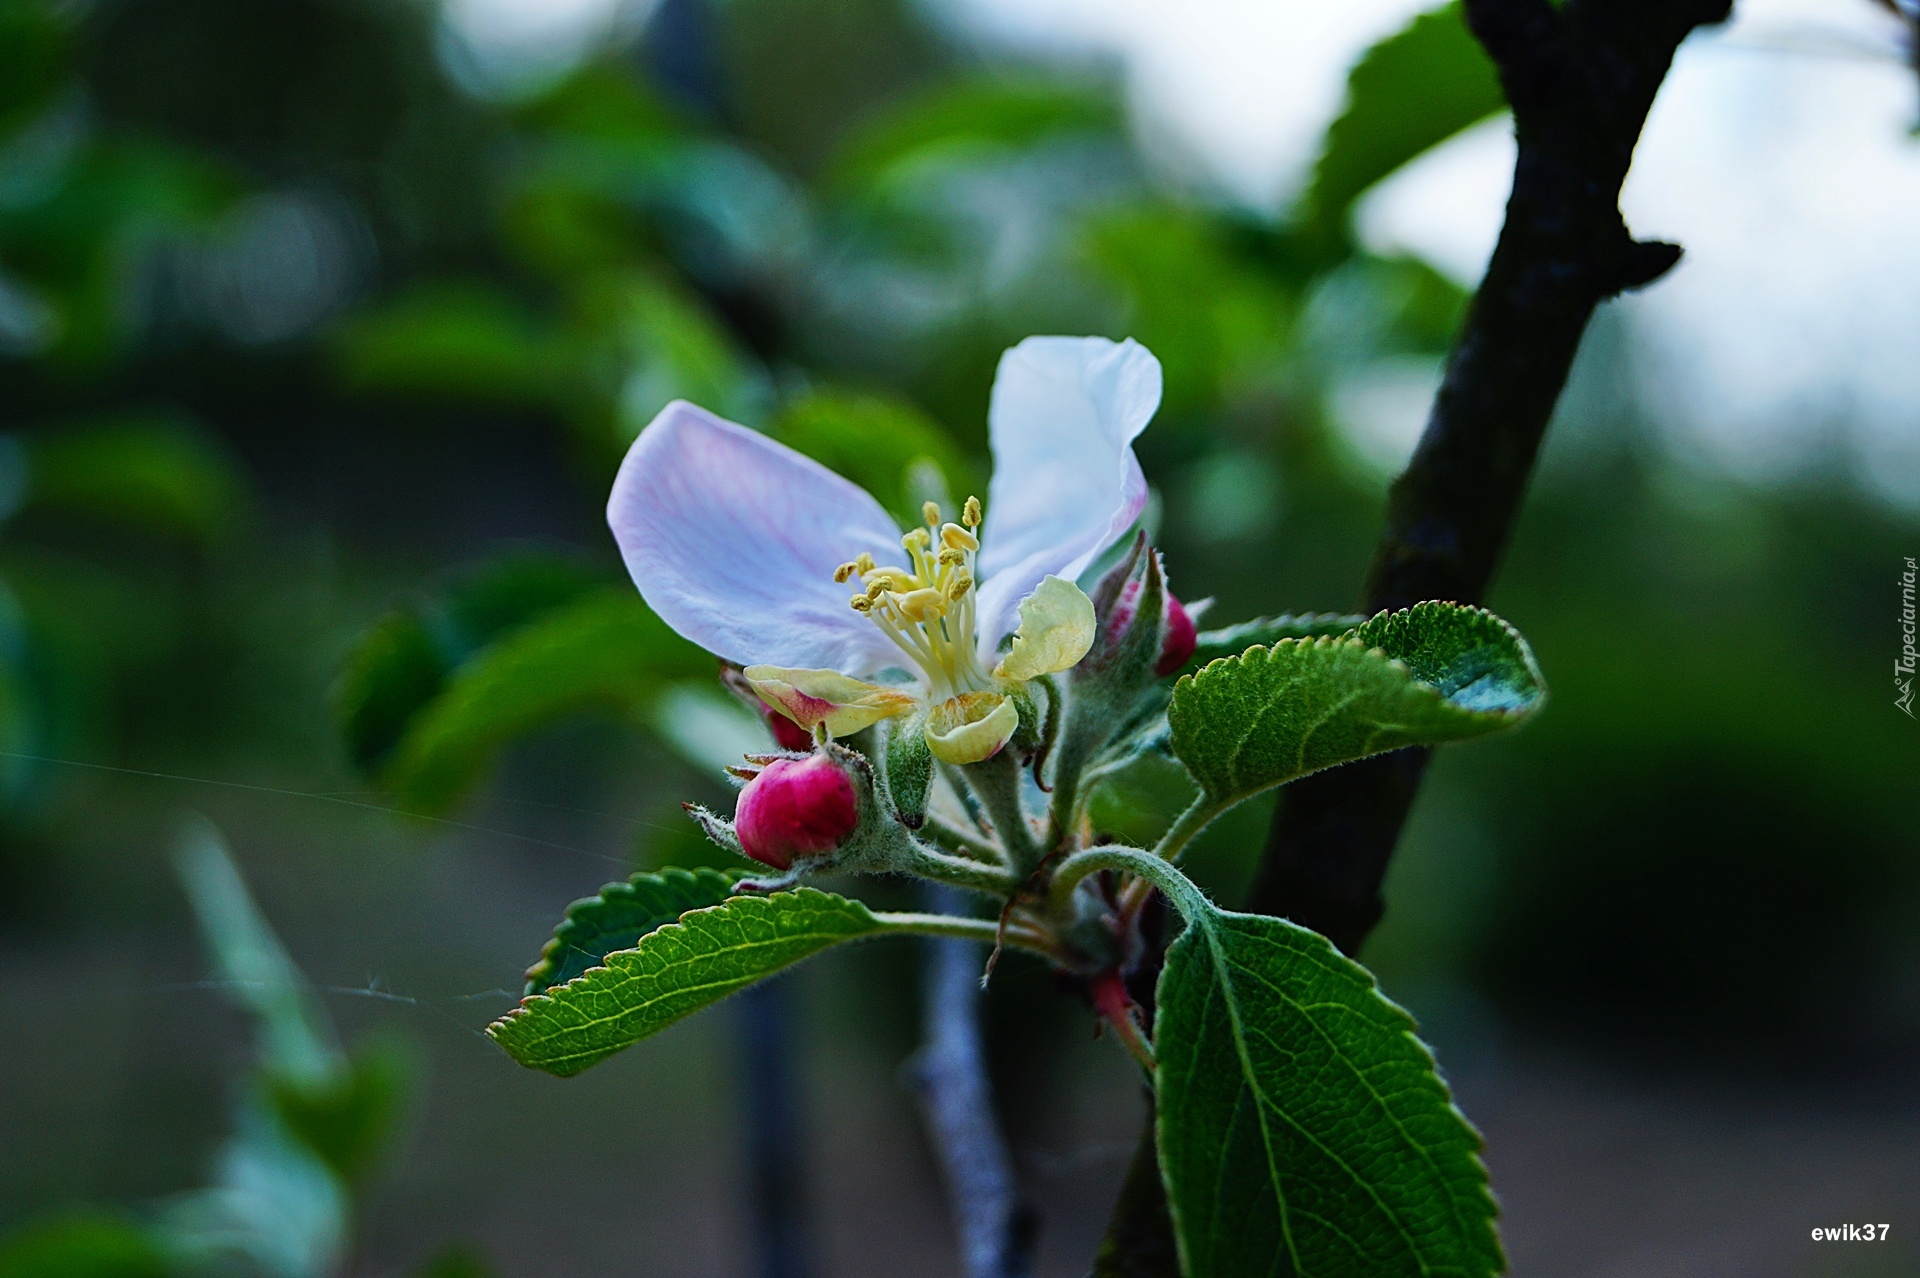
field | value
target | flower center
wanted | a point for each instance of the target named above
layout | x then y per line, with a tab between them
927	608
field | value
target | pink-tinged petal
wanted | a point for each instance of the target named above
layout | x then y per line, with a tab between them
733	539
813	697
1063	418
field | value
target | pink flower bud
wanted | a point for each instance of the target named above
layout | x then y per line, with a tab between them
795	808
1180	641
1178	636
786	733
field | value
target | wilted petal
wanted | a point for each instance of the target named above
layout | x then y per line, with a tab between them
733	539
971	727
812	697
1063	417
1056	629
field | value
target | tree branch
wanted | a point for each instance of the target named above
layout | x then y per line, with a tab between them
776	1155
996	1228
1581	77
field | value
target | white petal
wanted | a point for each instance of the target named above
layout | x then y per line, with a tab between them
733	539
1063	417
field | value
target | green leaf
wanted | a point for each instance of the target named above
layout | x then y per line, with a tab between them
485	601
668	345
619	916
1431	673
297	1038
1412	91
346	1119
1231	641
83	1246
1303	1128
878	443
461	339
971	117
605	650
403	662
673	972
155	473
392	673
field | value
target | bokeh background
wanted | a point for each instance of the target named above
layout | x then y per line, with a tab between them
323	324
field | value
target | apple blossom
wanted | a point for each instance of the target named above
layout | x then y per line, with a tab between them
747	548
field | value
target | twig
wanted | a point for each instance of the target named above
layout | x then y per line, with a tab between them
1581	76
775	1153
996	1229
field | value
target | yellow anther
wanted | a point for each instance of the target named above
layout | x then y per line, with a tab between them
930	512
960	586
970	516
877	588
919	539
952	556
954	537
863	563
860	603
888	579
845	571
922	605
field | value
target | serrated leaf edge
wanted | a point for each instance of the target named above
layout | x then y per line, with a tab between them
558	942
1409	1029
529	1001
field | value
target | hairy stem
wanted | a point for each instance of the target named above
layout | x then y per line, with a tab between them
964	872
973	845
1150	866
995	1227
997	782
1198	816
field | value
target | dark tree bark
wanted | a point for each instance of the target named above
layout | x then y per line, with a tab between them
1581	77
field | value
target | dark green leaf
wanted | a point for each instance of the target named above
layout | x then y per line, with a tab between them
462	339
619	916
877	443
484	602
1304	1129
157	473
673	972
402	664
970	117
347	1118
1410	92
85	1246
1431	673
1231	641
606	650
394	671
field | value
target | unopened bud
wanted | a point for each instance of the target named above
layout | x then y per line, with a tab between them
1178	636
787	734
796	808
